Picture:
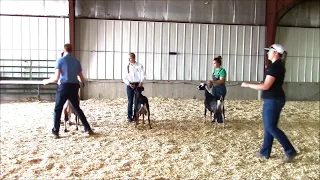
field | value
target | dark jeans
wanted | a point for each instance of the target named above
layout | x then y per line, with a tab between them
132	95
219	91
68	91
271	114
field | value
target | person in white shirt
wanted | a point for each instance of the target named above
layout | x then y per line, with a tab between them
133	79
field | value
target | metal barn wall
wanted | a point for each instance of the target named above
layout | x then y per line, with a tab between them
29	46
306	14
192	11
303	59
35	7
103	46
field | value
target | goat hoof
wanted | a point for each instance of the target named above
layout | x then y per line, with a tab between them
66	130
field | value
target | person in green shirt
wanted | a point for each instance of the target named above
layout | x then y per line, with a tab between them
218	81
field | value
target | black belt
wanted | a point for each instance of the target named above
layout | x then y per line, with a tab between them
68	83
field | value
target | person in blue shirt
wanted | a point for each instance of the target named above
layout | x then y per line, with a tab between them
68	68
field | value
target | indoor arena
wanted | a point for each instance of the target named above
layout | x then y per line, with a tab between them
176	89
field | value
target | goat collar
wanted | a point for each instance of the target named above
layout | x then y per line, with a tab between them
209	91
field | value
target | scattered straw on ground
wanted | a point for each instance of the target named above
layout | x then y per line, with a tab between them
179	146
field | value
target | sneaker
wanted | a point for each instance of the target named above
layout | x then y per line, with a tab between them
287	159
55	135
259	155
90	132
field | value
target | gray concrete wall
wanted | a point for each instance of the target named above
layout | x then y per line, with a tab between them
112	89
173	89
302	91
185	89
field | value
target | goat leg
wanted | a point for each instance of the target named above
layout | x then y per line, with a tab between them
148	113
223	110
66	118
77	122
137	119
205	115
149	120
142	118
222	114
214	120
65	126
222	120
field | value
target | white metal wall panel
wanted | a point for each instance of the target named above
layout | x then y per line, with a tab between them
303	48
181	48
29	46
41	8
157	51
101	47
241	48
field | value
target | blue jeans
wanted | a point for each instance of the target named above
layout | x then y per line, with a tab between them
271	114
131	95
219	91
64	92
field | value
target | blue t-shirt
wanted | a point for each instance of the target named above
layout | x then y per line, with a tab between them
70	67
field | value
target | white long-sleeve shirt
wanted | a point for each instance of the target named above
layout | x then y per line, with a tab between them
136	73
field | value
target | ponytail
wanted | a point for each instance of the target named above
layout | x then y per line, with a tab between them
283	58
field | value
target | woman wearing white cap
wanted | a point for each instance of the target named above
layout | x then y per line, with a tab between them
274	99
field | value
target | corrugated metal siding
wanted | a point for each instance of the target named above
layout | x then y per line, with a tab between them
103	46
193	11
303	59
306	14
31	45
37	7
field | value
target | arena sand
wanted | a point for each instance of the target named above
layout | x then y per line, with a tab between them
179	145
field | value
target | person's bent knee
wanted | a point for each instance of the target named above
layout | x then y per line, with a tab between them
58	108
271	129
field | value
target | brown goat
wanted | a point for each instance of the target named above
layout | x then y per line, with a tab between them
68	110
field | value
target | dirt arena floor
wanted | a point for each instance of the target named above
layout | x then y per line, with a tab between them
179	146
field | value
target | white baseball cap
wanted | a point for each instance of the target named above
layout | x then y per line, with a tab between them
277	48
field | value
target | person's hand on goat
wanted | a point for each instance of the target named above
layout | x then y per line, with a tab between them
132	86
210	82
140	84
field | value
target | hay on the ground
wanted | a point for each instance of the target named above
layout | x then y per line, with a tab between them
179	146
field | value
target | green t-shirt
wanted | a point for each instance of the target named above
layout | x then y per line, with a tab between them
219	73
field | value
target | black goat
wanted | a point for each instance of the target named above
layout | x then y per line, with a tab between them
144	109
212	103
